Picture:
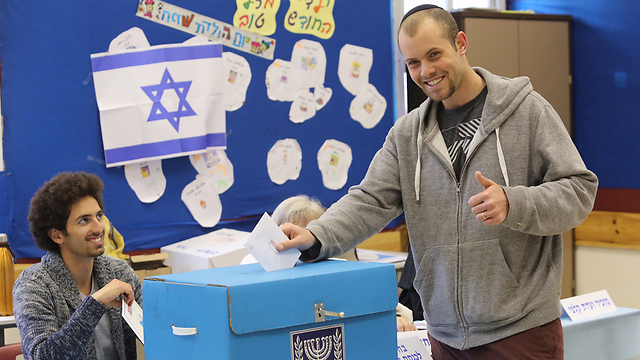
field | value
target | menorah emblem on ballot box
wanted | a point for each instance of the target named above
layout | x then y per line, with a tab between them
324	343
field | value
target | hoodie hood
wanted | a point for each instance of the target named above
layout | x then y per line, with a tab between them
506	94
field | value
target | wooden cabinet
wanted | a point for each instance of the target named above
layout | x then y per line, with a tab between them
512	45
537	46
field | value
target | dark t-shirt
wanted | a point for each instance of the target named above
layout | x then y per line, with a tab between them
458	127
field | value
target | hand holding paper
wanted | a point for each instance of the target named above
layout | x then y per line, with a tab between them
301	238
263	242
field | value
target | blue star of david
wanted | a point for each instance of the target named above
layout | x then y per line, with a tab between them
158	111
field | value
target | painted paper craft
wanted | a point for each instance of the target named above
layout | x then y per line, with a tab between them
133	38
158	102
334	160
303	107
256	15
216	165
162	12
237	81
146	179
353	68
203	201
368	107
313	17
282	85
284	161
322	95
309	62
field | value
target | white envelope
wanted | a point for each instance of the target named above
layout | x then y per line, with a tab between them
263	242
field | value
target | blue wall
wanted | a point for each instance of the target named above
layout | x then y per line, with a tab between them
52	122
606	84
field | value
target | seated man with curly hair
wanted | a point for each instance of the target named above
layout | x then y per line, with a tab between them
66	306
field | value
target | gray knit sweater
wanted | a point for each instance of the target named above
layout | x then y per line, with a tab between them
55	324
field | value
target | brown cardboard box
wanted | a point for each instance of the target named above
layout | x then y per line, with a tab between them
150	265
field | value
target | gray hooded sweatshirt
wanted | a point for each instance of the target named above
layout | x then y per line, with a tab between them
478	283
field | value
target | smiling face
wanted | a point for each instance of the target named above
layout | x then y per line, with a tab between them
84	236
434	64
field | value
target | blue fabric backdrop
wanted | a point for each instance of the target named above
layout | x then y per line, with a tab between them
52	124
606	84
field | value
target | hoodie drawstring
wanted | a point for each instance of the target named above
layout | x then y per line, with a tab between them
503	164
418	167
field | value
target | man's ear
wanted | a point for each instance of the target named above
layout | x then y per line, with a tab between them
461	43
56	235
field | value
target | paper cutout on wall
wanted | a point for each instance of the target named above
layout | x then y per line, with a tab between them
282	85
146	179
309	62
133	38
322	95
284	161
253	16
190	22
334	160
368	107
153	109
238	78
203	201
215	164
314	17
303	107
354	66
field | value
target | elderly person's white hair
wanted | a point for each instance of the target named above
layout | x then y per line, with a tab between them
298	210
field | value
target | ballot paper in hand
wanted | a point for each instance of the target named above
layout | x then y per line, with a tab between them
133	316
263	242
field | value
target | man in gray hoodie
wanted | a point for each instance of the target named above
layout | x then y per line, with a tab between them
488	179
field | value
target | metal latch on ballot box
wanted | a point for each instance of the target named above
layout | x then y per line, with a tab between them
321	312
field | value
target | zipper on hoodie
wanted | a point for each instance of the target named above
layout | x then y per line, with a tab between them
465	329
459	265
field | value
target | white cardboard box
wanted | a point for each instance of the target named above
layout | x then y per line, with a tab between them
220	248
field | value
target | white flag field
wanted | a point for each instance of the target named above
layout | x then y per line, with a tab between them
160	102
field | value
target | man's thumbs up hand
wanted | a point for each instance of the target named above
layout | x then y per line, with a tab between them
490	206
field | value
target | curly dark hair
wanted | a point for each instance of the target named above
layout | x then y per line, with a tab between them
51	205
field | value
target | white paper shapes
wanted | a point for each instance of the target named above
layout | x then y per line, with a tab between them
303	107
133	38
203	201
368	107
237	80
215	164
293	80
310	63
334	160
354	66
284	161
281	84
146	179
322	95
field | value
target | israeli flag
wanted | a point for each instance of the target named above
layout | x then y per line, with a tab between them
160	102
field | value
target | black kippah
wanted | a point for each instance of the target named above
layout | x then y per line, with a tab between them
419	8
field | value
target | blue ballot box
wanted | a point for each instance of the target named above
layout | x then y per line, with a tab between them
330	310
